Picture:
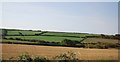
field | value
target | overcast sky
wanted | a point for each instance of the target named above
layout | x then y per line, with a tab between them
90	17
60	0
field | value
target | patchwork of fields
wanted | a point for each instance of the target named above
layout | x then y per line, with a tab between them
14	40
49	33
48	36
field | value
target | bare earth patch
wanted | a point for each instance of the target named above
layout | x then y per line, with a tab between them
14	50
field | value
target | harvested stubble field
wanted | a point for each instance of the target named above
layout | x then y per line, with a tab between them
14	50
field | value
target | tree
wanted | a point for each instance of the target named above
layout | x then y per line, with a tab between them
21	34
117	36
70	42
102	35
4	32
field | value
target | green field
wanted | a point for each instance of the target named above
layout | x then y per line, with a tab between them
69	34
26	32
23	32
45	38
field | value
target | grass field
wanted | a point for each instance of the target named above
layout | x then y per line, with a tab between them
69	34
23	32
45	38
14	50
26	32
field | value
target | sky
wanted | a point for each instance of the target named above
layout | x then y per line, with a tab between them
59	0
85	17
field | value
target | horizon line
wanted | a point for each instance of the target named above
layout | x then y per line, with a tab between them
56	31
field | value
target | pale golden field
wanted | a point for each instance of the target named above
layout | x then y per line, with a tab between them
14	50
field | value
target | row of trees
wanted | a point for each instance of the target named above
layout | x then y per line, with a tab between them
116	36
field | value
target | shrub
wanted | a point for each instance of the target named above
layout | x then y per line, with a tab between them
40	59
11	38
4	38
80	45
18	39
98	45
70	42
67	56
25	57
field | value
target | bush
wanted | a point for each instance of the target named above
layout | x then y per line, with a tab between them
25	57
40	59
98	45
65	57
18	39
70	42
80	45
4	38
11	38
101	46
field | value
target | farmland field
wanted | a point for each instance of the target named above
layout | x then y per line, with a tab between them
69	34
45	38
23	32
96	40
14	50
86	46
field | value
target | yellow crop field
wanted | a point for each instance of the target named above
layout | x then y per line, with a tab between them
14	50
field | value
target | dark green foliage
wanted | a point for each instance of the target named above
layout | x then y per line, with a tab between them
70	42
21	34
4	32
116	36
41	33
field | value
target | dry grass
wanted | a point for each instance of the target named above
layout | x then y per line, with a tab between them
14	50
